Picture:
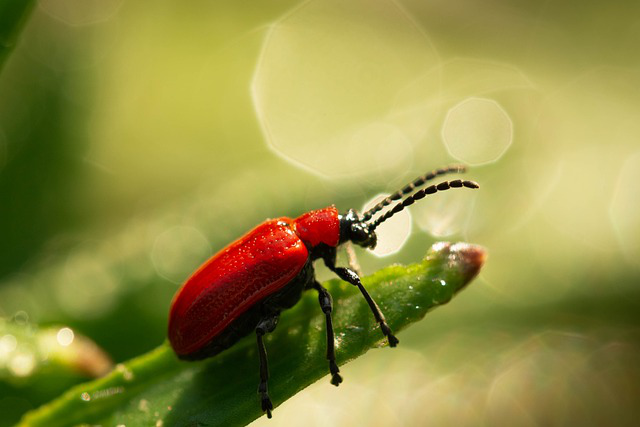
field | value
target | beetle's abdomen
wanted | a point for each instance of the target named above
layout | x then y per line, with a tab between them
258	264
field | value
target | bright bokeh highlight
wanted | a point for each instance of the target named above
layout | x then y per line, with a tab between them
65	337
394	232
625	209
338	88
477	131
446	213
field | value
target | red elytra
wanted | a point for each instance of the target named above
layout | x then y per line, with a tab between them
245	286
256	265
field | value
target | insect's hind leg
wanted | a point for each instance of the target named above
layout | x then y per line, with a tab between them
326	303
266	324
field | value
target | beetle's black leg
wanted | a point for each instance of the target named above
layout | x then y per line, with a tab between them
352	277
267	324
326	303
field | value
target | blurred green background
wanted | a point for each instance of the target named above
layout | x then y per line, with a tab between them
137	138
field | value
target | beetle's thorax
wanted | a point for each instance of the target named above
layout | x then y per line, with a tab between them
319	227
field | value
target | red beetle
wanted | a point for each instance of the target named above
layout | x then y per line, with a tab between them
245	286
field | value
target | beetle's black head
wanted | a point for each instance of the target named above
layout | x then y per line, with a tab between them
354	229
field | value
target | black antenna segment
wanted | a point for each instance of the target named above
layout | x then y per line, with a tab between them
418	182
446	185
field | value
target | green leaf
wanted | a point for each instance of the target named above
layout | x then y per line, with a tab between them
158	389
29	354
13	15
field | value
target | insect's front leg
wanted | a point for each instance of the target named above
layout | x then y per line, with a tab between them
326	303
266	324
352	277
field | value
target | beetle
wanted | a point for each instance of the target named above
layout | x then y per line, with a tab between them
244	287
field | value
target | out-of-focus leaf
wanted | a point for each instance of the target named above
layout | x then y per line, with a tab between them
157	389
28	352
13	14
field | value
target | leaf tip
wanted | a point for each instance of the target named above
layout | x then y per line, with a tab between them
467	258
471	259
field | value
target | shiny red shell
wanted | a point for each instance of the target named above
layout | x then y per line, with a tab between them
261	262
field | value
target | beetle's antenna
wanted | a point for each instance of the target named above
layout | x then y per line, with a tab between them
418	182
458	183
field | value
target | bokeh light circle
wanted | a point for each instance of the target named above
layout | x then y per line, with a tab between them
477	131
65	336
178	251
624	210
22	364
80	12
393	234
446	214
335	87
8	344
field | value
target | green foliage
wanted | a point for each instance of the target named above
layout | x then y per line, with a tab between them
13	14
222	391
29	354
